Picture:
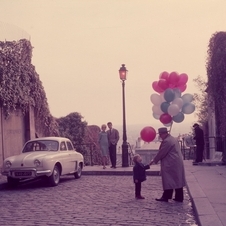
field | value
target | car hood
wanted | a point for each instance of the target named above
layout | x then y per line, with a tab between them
27	159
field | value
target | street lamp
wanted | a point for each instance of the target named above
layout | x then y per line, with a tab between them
122	75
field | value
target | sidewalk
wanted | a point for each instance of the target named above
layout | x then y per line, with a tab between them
206	184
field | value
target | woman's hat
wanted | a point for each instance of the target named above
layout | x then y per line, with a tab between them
163	130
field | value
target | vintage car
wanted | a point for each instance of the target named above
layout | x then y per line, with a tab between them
48	157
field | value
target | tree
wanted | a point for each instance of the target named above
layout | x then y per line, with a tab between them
73	127
91	137
201	101
216	85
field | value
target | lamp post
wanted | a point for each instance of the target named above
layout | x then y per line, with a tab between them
122	75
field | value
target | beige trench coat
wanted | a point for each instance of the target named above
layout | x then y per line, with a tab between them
172	165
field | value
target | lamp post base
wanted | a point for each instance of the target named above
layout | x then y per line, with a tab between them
125	153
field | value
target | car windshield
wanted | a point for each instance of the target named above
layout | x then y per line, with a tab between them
41	145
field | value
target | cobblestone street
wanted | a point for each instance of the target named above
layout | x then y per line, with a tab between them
92	200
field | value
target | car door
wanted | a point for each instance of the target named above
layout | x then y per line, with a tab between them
73	160
65	158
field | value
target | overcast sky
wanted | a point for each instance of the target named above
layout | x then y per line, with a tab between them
79	46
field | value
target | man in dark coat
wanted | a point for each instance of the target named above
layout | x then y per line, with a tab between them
172	167
113	138
199	140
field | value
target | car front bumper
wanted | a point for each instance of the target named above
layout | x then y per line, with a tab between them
26	173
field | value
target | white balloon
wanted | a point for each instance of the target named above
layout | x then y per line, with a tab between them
157	110
173	109
162	96
178	101
188	108
156	116
156	99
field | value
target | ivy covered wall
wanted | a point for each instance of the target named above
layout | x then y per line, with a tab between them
21	88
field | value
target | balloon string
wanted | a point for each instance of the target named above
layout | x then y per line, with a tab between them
171	126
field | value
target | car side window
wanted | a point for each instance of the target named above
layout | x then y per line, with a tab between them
70	147
63	146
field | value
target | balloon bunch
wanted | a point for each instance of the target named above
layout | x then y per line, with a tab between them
169	105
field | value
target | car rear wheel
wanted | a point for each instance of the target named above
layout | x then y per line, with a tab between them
78	174
54	179
12	182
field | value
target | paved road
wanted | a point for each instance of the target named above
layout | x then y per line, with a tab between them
91	201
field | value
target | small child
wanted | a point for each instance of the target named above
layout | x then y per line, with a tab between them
139	175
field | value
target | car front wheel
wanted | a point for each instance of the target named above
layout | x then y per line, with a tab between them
54	179
12	182
78	174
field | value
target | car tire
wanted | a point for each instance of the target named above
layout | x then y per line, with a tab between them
54	179
12	182
78	174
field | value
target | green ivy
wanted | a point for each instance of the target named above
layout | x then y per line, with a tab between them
20	86
216	85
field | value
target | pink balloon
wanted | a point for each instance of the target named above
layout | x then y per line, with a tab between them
164	75
182	88
173	78
165	118
163	84
156	87
183	79
148	134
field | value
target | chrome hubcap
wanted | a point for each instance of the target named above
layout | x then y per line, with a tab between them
56	175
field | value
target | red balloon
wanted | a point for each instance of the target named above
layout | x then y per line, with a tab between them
182	88
164	75
163	84
148	134
156	87
183	79
174	78
165	118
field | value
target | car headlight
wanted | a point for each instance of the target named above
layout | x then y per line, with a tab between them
8	164
37	162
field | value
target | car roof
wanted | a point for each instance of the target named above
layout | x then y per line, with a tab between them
50	138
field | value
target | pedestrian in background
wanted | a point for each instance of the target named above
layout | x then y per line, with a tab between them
172	167
199	141
139	175
113	138
104	145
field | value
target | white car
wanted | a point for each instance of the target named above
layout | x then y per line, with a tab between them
48	157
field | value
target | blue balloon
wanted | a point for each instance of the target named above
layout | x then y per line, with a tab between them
177	92
164	106
169	95
179	117
187	98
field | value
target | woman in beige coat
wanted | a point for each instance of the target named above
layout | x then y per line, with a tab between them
172	167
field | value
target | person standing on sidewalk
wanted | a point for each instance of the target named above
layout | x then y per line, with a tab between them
172	167
104	146
199	141
113	138
139	175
